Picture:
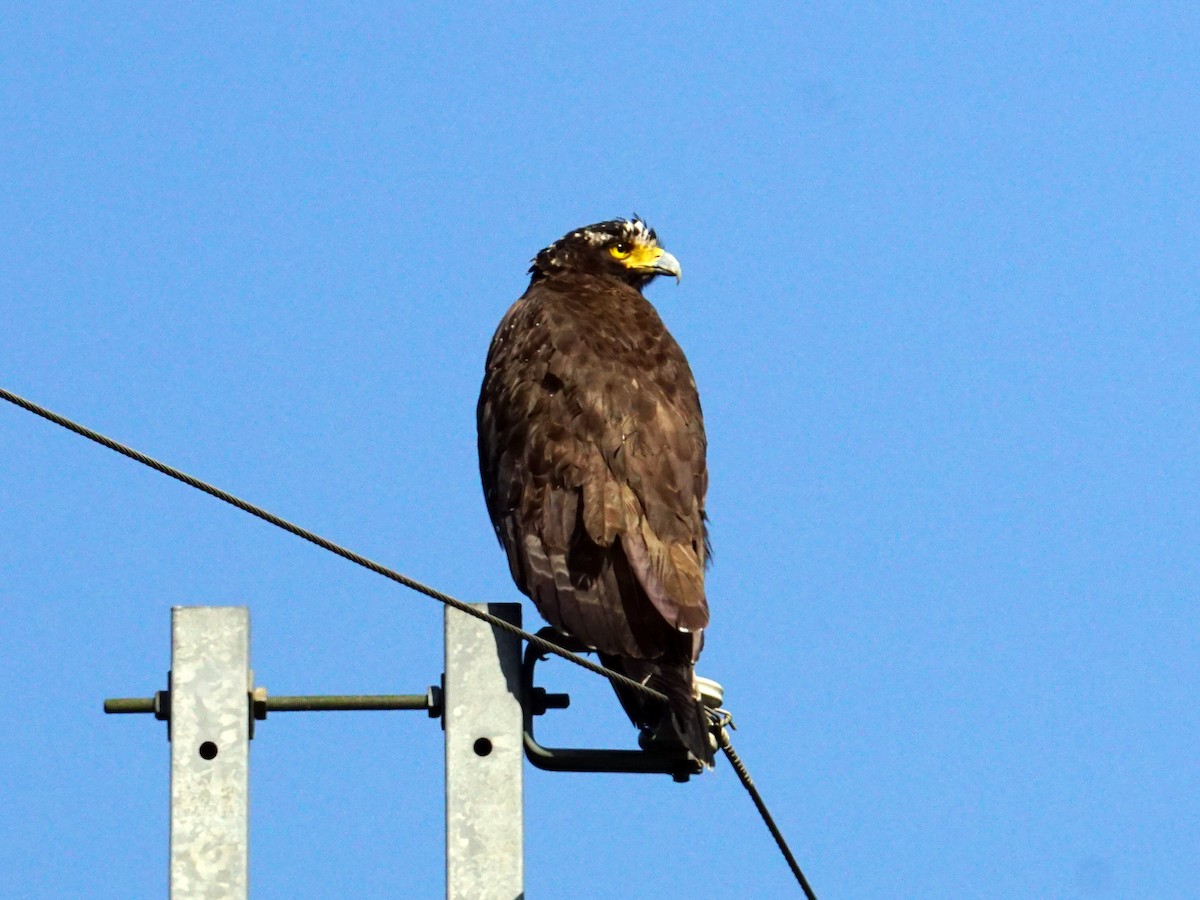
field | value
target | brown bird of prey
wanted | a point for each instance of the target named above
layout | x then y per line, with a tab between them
592	454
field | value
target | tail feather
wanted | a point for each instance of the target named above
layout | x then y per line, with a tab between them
682	720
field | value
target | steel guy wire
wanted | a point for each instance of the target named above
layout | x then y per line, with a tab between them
325	544
748	783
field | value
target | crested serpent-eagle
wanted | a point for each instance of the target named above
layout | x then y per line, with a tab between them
592	454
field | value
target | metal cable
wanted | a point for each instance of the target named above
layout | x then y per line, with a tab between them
358	559
760	804
496	622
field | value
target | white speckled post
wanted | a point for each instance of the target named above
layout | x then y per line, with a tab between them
210	740
484	757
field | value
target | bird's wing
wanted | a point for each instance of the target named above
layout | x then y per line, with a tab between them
593	470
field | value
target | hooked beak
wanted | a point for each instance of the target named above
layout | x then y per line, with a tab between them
666	264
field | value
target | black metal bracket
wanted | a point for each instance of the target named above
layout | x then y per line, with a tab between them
677	763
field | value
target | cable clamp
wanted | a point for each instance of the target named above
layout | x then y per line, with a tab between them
721	718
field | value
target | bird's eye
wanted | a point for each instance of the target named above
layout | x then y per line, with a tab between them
620	250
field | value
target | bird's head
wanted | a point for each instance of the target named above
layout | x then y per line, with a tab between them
625	249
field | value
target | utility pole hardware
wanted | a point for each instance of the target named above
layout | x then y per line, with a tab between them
487	702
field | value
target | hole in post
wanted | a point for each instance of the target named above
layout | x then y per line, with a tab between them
483	747
208	750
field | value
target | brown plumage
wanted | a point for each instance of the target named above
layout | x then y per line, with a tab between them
592	454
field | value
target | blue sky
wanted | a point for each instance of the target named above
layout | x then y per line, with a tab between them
940	269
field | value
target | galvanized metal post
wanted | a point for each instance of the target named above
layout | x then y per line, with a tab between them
210	741
482	716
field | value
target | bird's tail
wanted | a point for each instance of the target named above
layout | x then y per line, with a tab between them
681	722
